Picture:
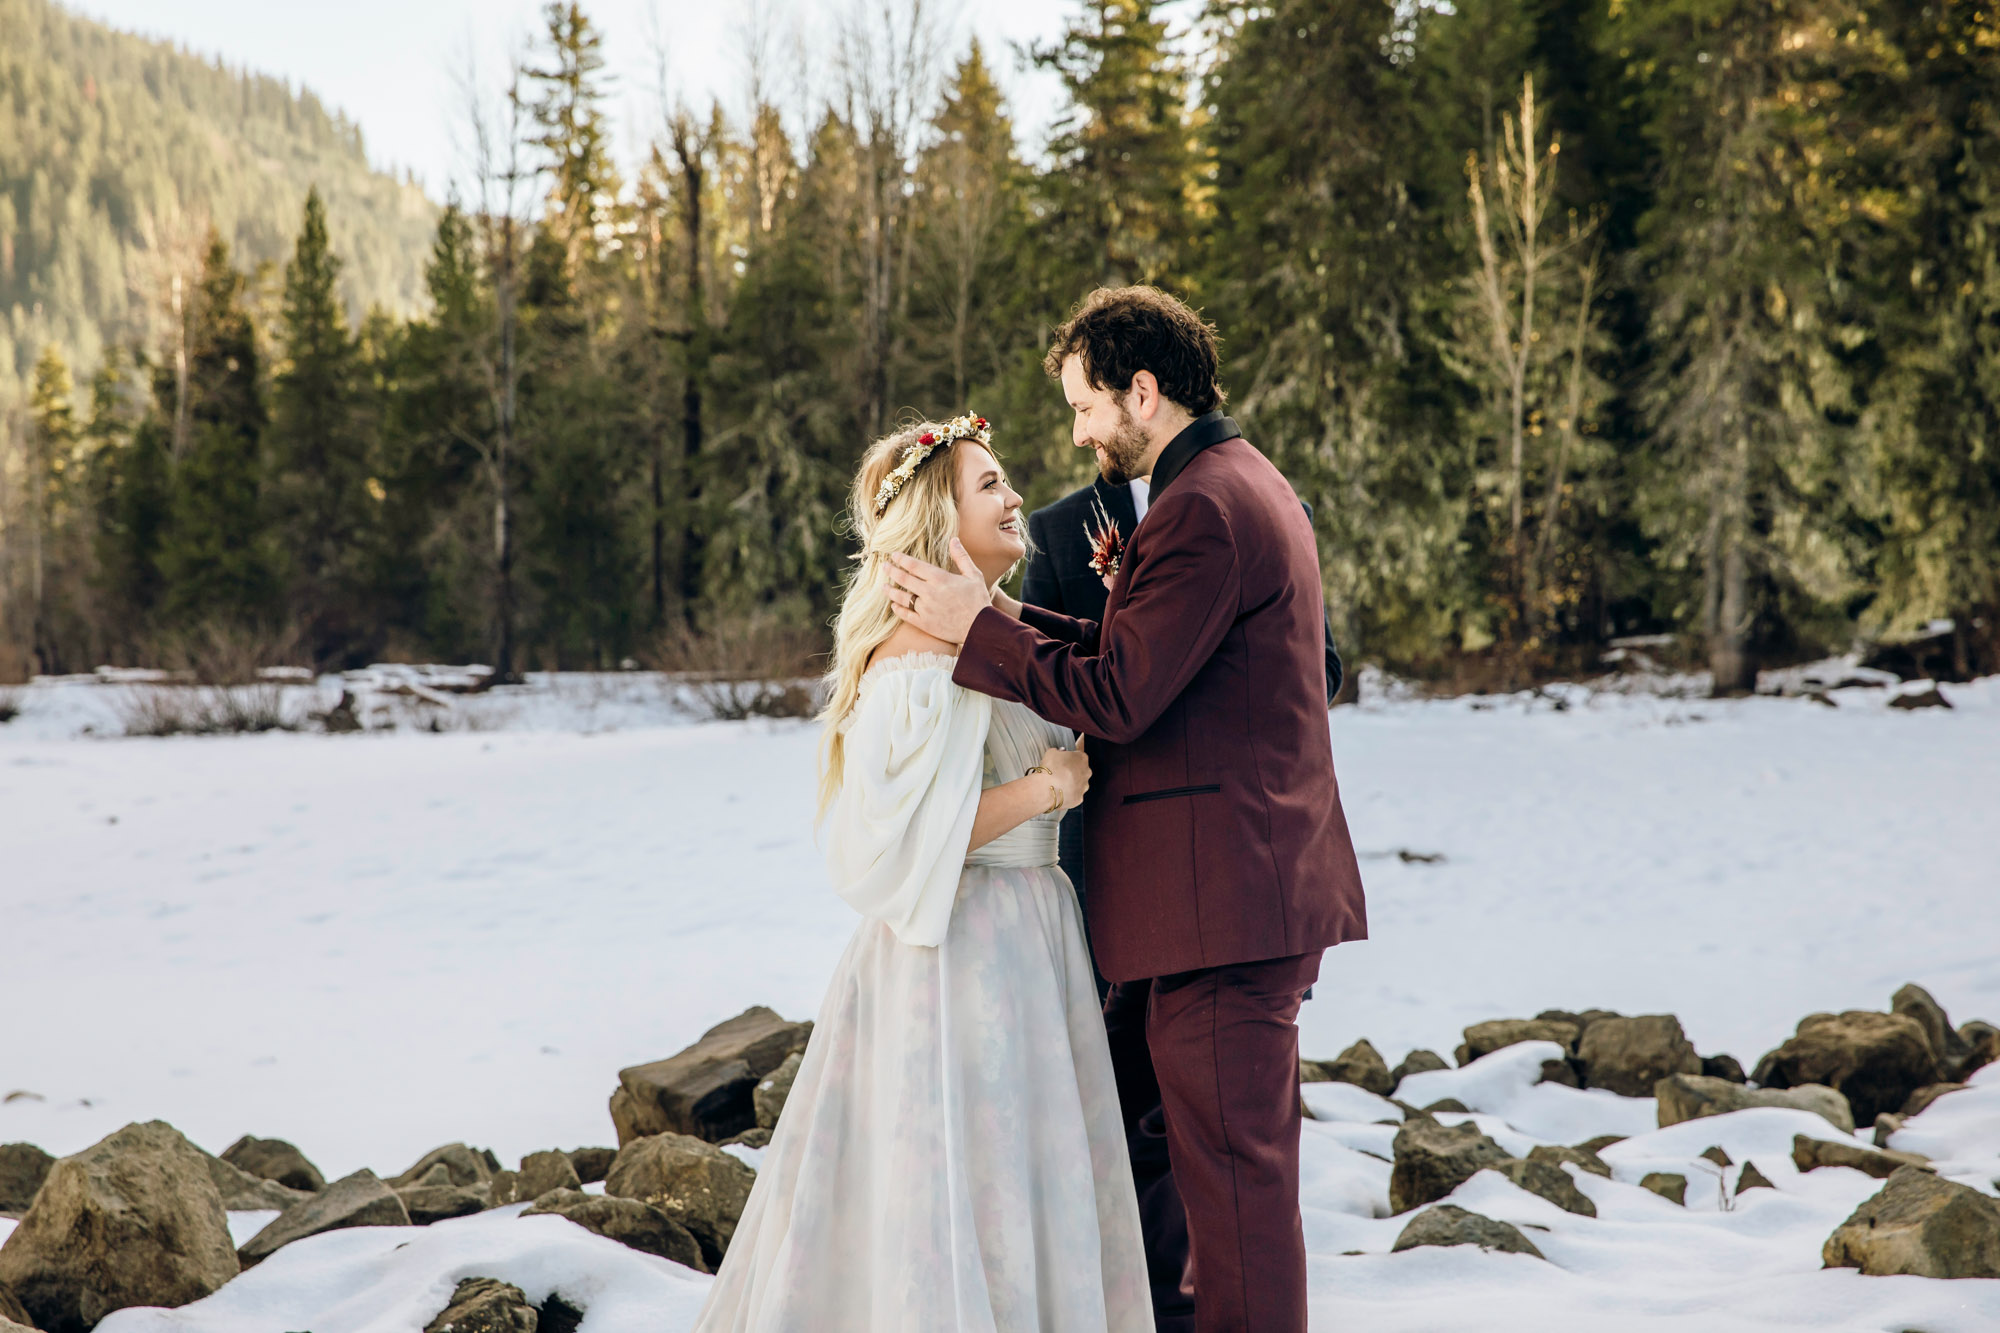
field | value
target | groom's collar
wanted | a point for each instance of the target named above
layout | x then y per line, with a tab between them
1205	430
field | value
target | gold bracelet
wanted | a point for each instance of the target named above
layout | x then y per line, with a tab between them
1055	800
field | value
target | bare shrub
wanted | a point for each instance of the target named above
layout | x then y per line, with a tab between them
228	654
204	710
743	667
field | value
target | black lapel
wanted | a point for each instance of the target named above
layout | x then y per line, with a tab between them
1117	502
1205	430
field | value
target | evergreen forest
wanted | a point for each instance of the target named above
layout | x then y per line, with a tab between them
1572	320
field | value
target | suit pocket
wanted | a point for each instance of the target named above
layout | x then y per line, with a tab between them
1168	793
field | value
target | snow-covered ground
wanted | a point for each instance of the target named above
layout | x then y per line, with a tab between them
373	944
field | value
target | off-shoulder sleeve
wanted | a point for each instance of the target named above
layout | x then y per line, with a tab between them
899	829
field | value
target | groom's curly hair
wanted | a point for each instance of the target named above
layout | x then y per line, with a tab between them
1119	331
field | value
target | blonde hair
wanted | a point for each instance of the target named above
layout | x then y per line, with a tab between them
920	521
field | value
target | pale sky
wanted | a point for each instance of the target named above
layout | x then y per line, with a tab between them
392	65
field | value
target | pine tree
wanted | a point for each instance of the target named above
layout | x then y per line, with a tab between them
53	479
318	446
221	562
568	110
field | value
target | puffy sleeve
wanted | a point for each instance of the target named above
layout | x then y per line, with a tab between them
909	788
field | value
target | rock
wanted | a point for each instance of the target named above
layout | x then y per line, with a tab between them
701	1185
12	1312
1419	1061
1448	1224
1983	1048
133	1220
1667	1185
1811	1154
1924	1096
1920	1224
1885	1126
761	1137
1448	1104
1559	1071
1547	1181
1724	1067
1582	1158
1361	1065
1715	1153
1752	1179
1313	1071
430	1203
359	1200
486	1305
642	1226
592	1164
768	1097
1686	1097
463	1166
1629	1055
1875	1060
243	1192
23	1168
1924	694
274	1159
1432	1160
1580	1021
1947	1046
1488	1037
540	1173
708	1089
1600	1143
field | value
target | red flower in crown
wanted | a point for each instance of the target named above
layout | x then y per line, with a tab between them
927	438
1107	544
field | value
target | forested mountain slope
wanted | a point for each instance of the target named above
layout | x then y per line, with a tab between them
118	153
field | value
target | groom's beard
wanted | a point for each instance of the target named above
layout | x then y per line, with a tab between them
1124	452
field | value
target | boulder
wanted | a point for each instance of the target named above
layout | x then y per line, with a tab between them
1600	1143
465	1167
1447	1104
540	1173
1313	1071
1921	1099
1923	695
1752	1179
1717	1154
1581	1158
486	1305
359	1200
1419	1061
1881	1163
1949	1048
436	1202
1982	1041
243	1192
1874	1060
701	1185
1686	1097
630	1222
23	1168
1448	1224
592	1164
1581	1021
1547	1181
707	1090
1629	1056
133	1220
1560	1071
760	1138
275	1159
1432	1160
12	1311
1361	1065
1725	1067
1920	1224
767	1099
1667	1184
1488	1037
1886	1126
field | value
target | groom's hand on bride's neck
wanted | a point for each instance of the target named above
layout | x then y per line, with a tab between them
940	602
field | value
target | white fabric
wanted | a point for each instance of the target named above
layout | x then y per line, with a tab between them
950	1158
909	789
1142	493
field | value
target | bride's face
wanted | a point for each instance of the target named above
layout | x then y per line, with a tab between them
990	525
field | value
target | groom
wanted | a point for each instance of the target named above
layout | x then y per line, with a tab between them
1220	861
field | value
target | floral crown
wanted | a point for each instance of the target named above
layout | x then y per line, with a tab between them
967	427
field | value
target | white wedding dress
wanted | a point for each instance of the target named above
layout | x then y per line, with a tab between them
950	1157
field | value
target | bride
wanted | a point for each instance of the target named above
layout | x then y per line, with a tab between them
951	1155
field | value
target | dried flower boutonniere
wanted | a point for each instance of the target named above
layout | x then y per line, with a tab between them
1107	544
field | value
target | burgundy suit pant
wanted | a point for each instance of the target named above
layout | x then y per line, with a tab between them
1207	1064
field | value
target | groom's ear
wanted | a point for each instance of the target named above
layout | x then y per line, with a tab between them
1143	398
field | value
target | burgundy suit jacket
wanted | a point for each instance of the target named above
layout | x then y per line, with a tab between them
1214	832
